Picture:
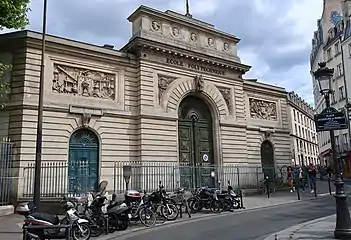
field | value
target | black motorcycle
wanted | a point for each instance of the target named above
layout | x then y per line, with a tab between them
206	198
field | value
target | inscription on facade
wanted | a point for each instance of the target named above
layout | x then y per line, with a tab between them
83	82
194	66
263	109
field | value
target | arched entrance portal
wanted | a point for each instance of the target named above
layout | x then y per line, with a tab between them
267	159
83	161
195	143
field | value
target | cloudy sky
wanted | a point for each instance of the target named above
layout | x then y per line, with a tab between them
275	34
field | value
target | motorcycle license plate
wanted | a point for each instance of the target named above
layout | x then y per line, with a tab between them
129	216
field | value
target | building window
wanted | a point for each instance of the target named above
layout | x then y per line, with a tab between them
333	96
295	128
329	55
345	140
294	114
350	49
337	48
339	70
341	92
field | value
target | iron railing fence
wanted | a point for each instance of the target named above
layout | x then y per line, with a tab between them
5	171
57	178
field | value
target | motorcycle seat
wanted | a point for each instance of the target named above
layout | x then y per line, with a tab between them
46	217
121	210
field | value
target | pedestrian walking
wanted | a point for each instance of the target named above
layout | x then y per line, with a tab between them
290	178
312	174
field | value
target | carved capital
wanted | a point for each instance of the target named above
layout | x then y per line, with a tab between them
86	117
227	96
263	109
163	84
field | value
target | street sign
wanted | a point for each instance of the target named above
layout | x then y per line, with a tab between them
330	119
127	172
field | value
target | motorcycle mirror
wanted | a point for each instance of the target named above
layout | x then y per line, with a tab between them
144	191
228	182
102	187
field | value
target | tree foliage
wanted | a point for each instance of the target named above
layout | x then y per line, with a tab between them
13	13
4	87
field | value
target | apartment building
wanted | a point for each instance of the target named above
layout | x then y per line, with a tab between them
330	45
302	131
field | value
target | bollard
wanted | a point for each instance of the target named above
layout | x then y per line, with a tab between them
268	189
298	189
329	186
241	200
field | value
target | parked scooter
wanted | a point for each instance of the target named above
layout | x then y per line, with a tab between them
230	199
80	228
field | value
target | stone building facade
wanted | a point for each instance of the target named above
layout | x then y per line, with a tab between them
303	132
173	95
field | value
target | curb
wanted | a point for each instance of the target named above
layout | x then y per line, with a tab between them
137	230
6	210
291	230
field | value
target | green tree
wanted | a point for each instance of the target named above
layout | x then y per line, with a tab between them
13	13
4	87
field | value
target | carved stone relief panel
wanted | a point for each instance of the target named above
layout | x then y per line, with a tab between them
227	97
263	109
83	82
163	83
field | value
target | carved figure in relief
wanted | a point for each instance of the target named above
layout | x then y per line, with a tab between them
175	31
210	42
226	46
156	25
263	109
193	37
83	82
226	95
163	83
199	83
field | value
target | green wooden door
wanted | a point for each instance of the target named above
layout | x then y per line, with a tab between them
195	144
83	164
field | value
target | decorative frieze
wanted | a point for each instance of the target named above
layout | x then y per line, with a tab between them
227	96
83	82
263	109
163	83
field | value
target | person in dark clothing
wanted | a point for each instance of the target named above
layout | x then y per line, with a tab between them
312	174
329	171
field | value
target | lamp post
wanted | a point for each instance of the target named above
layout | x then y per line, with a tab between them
38	151
343	222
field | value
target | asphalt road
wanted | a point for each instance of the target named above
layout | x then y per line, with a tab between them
245	225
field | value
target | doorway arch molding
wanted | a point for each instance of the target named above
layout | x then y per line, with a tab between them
181	88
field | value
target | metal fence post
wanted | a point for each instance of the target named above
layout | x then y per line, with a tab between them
238	172
114	176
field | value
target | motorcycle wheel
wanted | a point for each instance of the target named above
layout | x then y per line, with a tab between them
216	206
112	223
227	205
196	206
123	223
236	204
98	227
83	232
147	217
170	212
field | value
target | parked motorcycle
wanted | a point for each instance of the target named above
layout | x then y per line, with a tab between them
230	199
80	228
206	198
119	215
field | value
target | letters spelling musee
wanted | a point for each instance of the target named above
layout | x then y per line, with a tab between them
194	66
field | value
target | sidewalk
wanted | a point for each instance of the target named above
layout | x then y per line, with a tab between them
322	228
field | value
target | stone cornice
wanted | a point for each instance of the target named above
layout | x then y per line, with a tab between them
69	47
182	20
138	44
262	88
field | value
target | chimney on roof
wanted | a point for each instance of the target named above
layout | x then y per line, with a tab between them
108	46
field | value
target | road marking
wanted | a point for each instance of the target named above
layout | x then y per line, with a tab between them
325	194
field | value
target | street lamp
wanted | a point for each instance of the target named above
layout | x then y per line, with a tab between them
343	222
